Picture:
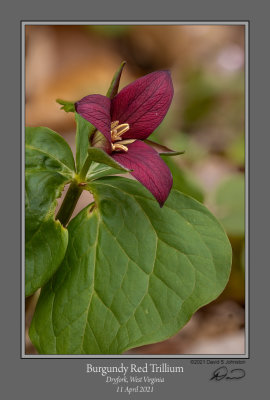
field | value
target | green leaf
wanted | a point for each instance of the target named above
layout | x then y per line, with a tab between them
97	171
184	182
46	149
113	89
83	133
99	156
133	273
49	165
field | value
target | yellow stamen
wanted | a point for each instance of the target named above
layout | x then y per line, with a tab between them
128	141
118	130
114	124
119	147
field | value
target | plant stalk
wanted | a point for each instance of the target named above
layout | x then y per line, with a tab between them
69	203
72	196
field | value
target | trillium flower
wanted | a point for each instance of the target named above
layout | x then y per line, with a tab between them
126	121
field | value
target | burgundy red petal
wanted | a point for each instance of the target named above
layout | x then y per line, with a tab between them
148	168
95	108
143	104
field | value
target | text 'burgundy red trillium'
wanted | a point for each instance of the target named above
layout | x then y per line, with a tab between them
127	120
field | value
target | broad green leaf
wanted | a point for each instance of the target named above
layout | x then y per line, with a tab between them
229	204
49	165
133	273
183	181
46	149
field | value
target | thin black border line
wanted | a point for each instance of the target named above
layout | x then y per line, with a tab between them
247	356
22	149
21	190
247	134
204	22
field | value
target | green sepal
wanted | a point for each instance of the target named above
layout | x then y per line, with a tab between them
67	106
100	156
84	131
113	89
97	171
163	150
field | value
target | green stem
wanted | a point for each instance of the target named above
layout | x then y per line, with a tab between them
85	168
69	203
75	190
72	196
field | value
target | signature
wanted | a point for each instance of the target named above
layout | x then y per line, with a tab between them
224	373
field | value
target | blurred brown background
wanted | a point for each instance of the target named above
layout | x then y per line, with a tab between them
206	120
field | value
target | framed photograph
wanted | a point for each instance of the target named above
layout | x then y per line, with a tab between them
134	246
134	210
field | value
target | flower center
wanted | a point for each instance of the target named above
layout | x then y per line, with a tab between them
116	132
